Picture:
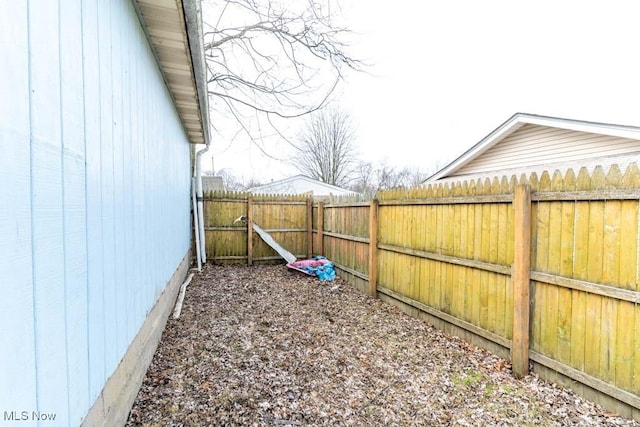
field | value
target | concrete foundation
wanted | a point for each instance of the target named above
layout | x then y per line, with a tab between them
116	399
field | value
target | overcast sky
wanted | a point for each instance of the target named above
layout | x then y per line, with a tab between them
447	73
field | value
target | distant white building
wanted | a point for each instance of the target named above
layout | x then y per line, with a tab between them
300	184
212	183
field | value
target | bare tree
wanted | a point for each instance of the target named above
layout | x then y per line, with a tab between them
370	178
415	177
390	177
387	177
363	179
269	60
326	148
232	182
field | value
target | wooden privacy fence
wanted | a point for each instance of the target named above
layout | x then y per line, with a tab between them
543	270
286	218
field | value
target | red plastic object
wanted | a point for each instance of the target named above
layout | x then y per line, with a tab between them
313	263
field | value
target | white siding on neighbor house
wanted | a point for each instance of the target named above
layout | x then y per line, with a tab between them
94	183
623	162
538	145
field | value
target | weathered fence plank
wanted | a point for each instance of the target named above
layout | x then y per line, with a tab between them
320	227
309	228
580	263
373	248
567	214
593	341
249	231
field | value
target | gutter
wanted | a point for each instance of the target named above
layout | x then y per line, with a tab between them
193	18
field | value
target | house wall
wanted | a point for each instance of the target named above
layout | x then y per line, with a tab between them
212	183
94	184
538	145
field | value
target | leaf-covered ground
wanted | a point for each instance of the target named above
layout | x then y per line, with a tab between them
266	346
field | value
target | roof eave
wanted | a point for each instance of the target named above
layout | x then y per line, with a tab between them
174	31
519	119
477	149
193	15
305	178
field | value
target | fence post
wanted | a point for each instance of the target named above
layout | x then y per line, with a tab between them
320	228
309	227
249	230
373	248
521	277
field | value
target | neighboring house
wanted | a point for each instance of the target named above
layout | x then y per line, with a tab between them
300	184
102	103
212	183
528	143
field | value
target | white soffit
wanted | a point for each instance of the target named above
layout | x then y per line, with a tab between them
166	28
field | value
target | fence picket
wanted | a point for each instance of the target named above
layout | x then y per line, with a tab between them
551	331
567	248
542	334
593	340
502	258
580	271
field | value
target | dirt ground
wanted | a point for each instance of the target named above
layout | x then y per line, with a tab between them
266	346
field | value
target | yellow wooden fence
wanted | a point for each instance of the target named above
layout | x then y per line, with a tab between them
286	218
542	270
569	303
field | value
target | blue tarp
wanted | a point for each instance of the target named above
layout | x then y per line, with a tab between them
317	266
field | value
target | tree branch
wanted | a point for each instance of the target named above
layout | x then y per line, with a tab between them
274	61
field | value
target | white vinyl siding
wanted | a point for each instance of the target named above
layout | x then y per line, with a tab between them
539	145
